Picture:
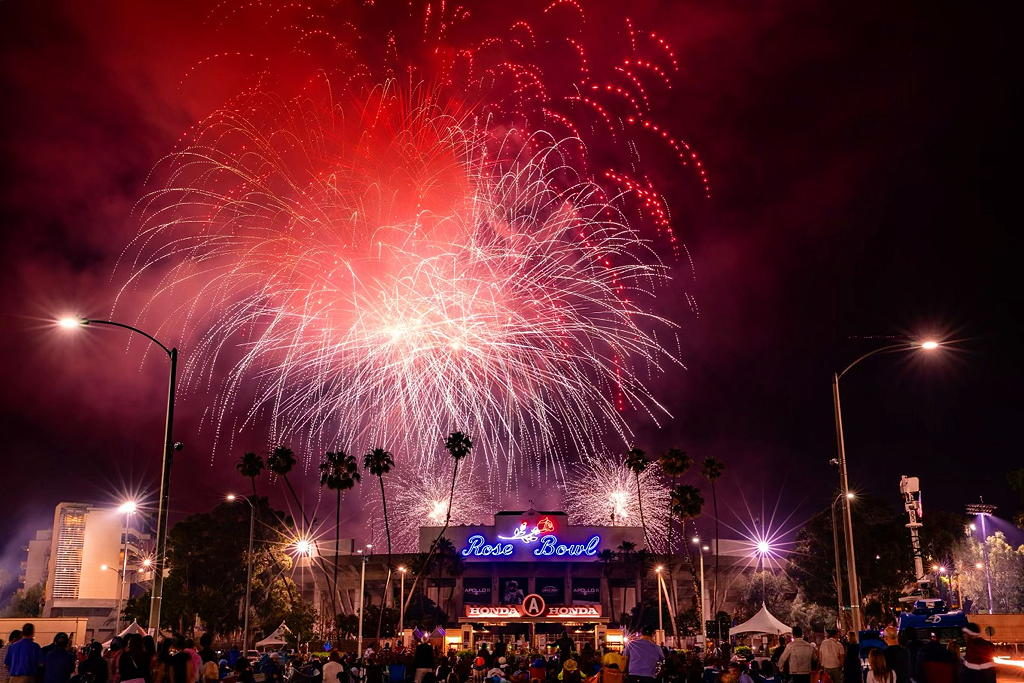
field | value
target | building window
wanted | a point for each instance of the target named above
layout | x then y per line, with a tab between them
70	542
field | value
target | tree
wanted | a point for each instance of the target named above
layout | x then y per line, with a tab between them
250	465
1006	570
1015	478
459	446
712	469
379	462
280	461
338	472
637	462
675	463
207	577
25	603
687	503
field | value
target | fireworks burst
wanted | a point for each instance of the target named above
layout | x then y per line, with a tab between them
419	498
370	263
602	491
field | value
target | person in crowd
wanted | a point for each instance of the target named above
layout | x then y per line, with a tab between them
206	653
332	669
24	657
765	672
243	671
935	663
570	672
149	647
896	655
779	649
134	663
978	664
181	668
423	660
5	675
94	668
853	672
643	657
193	655
112	655
612	668
737	671
798	658
832	656
538	670
58	660
878	668
565	647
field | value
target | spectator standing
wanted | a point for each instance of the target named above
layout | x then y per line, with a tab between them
15	637
59	661
896	655
642	657
832	656
24	657
878	668
935	663
423	660
979	664
94	668
798	658
853	672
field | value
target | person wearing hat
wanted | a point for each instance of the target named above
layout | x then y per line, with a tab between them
979	664
570	672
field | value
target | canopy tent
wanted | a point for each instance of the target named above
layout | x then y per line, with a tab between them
132	628
276	638
762	622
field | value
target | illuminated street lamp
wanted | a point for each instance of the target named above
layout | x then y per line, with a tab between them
401	602
127	509
661	625
248	572
983	510
703	591
75	323
850	495
844	483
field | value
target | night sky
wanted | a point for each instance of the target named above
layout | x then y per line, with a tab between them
863	169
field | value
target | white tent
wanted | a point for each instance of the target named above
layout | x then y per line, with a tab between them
762	622
132	628
276	638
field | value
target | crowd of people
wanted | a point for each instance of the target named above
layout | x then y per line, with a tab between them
140	659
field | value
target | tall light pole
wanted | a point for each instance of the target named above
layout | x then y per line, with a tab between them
160	561
981	510
844	483
661	625
401	603
248	572
703	591
126	508
362	598
839	569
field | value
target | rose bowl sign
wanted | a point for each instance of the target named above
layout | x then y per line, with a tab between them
533	539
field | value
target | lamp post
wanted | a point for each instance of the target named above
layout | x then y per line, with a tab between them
844	484
661	625
839	571
981	510
168	456
248	572
362	598
126	508
703	592
401	603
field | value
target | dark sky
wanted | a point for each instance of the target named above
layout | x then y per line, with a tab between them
863	162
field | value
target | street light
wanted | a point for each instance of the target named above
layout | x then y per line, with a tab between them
703	591
844	484
248	572
661	625
127	509
74	323
981	510
401	602
850	495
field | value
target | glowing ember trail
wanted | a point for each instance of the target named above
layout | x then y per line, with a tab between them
369	263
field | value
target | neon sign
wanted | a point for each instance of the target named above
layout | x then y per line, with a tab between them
547	546
536	608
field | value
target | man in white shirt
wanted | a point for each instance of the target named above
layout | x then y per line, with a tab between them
832	656
333	667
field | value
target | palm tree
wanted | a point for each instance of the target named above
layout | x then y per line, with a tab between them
637	462
338	472
712	469
607	559
626	554
458	446
250	465
379	462
675	462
